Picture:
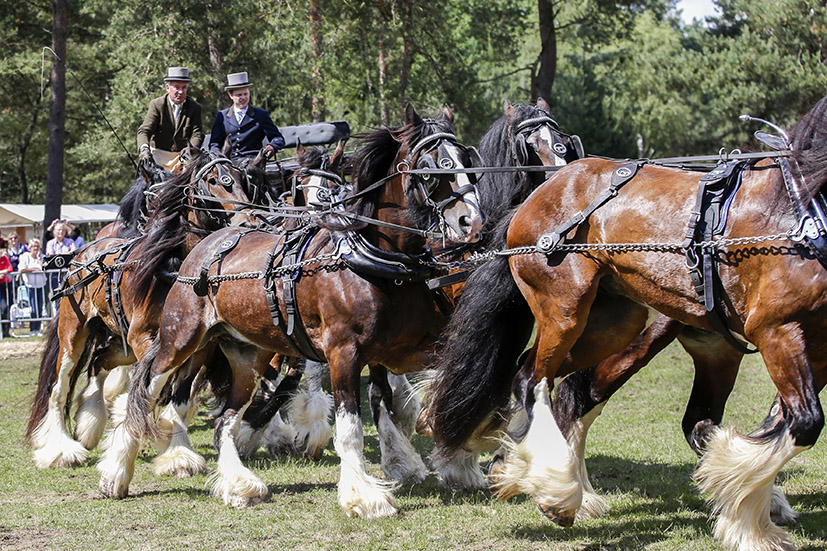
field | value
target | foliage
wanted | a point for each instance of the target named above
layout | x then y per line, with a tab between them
631	78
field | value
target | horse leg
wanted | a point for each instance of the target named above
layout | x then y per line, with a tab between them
359	493
579	398
131	414
234	483
738	472
116	383
406	404
400	462
309	413
67	347
176	456
91	413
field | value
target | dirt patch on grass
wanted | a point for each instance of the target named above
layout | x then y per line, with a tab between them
20	348
27	538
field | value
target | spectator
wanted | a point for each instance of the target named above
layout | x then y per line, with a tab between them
77	237
60	243
31	266
5	289
246	126
15	249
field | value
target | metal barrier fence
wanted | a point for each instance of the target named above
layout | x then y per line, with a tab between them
26	309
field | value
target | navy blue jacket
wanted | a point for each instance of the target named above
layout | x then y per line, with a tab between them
247	137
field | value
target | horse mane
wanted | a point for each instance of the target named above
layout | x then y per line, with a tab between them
372	161
133	205
809	139
499	191
161	249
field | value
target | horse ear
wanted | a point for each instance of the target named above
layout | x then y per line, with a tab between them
336	158
411	116
300	150
506	106
543	104
227	149
447	113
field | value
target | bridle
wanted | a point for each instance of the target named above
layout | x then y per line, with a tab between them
324	195
527	127
199	193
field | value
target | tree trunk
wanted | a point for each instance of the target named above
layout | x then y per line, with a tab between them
317	76
405	69
383	75
20	161
543	79
57	116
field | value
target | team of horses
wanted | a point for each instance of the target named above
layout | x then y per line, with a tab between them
221	287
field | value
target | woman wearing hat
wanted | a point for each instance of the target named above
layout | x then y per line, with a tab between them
245	126
172	121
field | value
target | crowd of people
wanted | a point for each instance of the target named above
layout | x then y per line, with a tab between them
23	281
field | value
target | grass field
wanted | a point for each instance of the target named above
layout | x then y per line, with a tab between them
636	456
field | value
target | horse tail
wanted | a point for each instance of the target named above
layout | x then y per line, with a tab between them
45	380
138	421
478	354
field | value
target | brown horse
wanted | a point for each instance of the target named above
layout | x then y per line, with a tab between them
349	318
91	323
593	302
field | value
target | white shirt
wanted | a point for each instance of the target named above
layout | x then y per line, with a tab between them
32	279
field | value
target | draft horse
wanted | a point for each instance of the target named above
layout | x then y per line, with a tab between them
93	325
349	318
593	302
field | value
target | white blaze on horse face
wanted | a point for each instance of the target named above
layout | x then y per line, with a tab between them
311	189
473	219
544	137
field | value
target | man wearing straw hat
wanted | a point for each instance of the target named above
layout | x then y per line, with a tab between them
171	121
245	126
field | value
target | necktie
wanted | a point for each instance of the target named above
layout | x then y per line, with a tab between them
176	110
239	115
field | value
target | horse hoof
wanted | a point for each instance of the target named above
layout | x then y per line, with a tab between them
496	466
566	520
107	489
239	502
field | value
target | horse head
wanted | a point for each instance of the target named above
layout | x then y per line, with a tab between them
447	200
318	181
216	192
536	138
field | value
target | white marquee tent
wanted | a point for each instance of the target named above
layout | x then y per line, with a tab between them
27	220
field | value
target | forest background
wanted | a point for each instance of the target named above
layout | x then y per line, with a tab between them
630	77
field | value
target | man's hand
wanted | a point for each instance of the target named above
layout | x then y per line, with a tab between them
269	151
145	155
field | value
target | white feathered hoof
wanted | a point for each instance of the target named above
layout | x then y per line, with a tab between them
239	487
556	515
279	437
593	506
780	511
179	461
369	502
69	453
112	489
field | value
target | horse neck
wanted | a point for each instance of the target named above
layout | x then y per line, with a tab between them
392	207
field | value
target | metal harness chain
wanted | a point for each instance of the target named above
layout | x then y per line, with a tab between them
477	259
281	270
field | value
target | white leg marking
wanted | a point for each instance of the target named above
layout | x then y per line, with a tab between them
117	464
359	493
116	383
737	474
51	444
593	505
406	404
780	511
461	470
232	481
279	437
543	465
91	414
177	458
400	462
309	412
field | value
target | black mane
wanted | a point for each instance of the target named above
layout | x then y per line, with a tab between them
161	249
809	138
133	206
373	161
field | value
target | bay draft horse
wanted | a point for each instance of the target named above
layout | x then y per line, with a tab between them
350	319
589	305
524	136
89	330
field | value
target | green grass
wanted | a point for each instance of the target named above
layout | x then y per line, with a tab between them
637	458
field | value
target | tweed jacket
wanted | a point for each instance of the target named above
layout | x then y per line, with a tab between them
161	131
246	138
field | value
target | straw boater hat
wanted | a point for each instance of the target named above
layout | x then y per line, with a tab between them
237	80
179	74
